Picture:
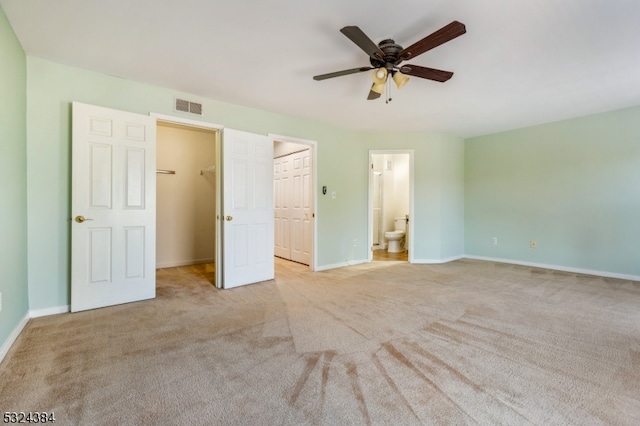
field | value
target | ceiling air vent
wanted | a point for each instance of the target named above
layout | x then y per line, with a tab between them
187	106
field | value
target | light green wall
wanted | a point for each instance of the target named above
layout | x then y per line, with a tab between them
13	181
573	186
452	189
342	167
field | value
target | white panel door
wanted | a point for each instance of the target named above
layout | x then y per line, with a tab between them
113	228
248	223
281	188
301	208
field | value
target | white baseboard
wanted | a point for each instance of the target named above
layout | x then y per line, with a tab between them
437	261
23	322
183	263
341	264
13	336
49	311
558	268
605	274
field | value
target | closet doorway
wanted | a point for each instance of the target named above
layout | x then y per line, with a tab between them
294	216
185	195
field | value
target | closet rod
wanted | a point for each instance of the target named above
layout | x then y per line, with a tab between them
166	172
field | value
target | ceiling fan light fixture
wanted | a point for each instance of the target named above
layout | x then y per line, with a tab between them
378	88
379	76
400	79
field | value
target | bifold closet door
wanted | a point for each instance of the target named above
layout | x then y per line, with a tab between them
281	190
293	207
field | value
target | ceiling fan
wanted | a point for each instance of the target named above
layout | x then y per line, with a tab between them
386	56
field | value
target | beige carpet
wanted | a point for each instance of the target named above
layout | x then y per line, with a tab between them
468	342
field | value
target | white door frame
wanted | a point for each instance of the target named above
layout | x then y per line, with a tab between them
313	146
411	198
218	128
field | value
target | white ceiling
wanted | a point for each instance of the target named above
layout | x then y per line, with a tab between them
520	63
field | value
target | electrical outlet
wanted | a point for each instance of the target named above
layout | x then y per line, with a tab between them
333	195
494	240
355	242
533	244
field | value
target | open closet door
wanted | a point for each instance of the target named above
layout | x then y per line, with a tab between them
113	203
247	208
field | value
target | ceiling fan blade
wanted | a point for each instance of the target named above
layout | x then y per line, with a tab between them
341	73
356	35
428	73
443	35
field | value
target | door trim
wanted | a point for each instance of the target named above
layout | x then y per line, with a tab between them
411	198
186	121
313	145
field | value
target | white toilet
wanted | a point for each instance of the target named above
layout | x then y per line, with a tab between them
395	238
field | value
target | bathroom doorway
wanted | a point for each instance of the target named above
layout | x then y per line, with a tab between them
390	205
